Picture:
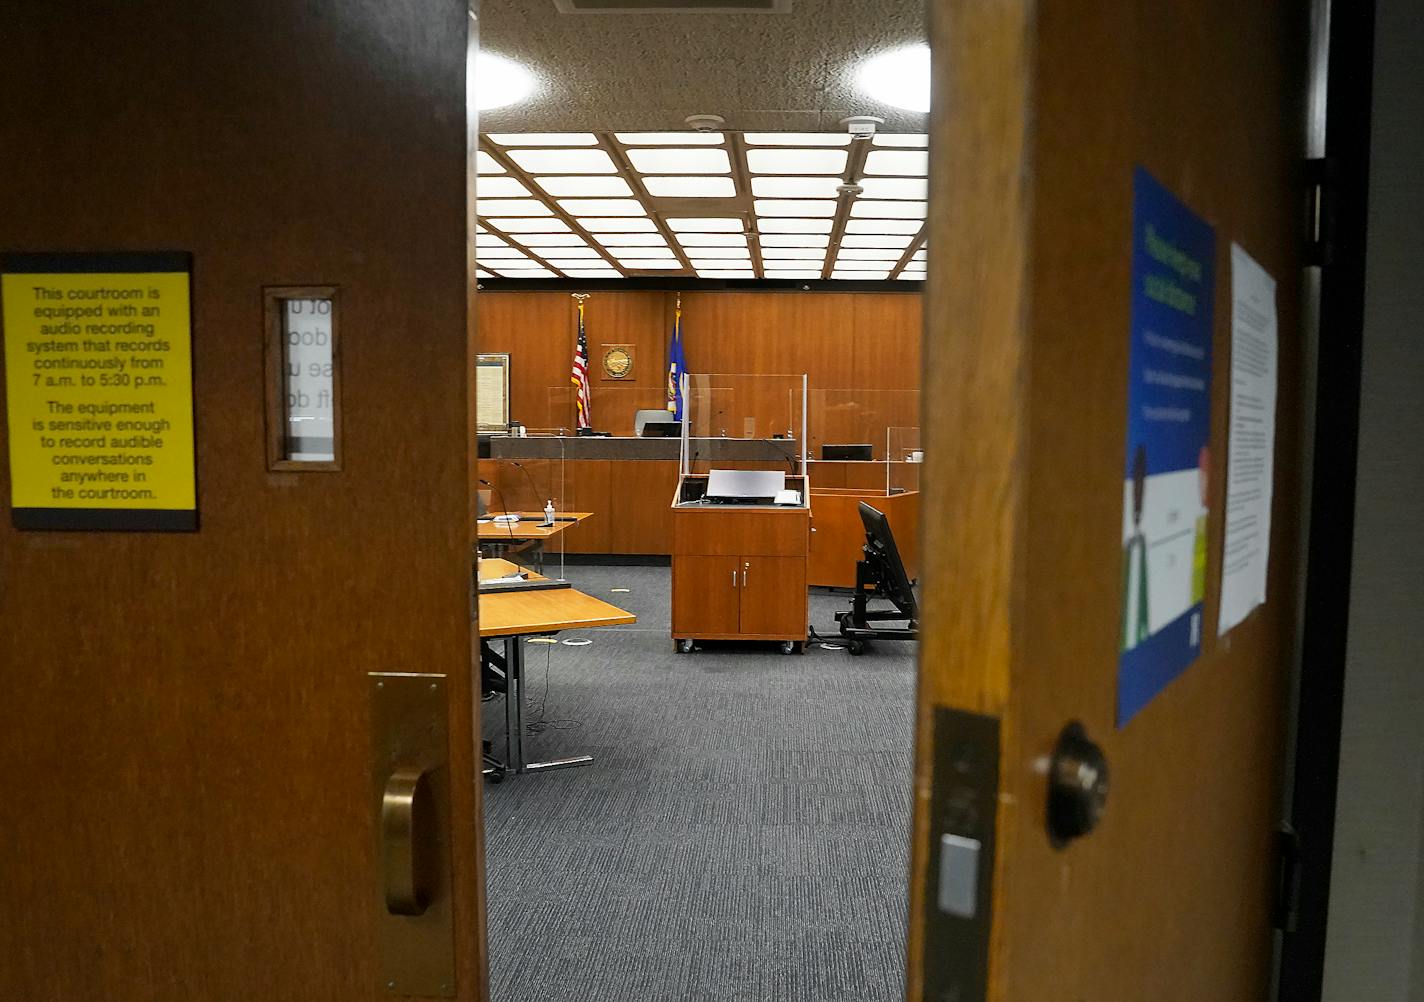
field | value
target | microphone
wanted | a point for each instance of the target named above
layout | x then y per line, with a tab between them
509	527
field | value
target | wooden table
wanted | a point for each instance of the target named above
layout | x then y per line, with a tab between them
514	615
527	533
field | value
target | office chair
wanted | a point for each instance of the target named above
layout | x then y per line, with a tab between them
493	683
881	575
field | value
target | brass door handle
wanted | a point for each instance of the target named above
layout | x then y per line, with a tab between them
407	832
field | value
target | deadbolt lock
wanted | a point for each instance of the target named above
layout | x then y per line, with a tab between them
1077	786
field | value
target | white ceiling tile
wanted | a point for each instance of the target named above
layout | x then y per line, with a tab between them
794	240
794	161
842	264
877	239
702	263
632	240
795	187
489	240
706	224
860	276
628	224
526	273
711	252
804	253
651	264
895	187
564	161
567	252
512	207
641	253
543	138
911	276
564	263
717	273
499	187
670	160
490	253
870	254
802	207
919	139
884	225
552	240
919	255
550	225
592	273
792	274
602	206
909	163
479	273
690	187
797	138
867	209
670	138
486	164
773	225
712	239
595	186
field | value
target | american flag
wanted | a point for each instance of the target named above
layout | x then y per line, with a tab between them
580	376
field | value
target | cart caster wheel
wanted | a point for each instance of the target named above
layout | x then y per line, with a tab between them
682	646
788	647
856	648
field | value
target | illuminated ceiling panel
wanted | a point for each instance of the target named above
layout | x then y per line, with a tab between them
714	205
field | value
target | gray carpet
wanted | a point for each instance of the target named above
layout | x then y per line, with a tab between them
742	834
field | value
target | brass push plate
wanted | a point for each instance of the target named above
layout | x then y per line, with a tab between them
410	801
958	894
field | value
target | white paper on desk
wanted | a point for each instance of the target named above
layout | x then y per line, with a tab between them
1250	456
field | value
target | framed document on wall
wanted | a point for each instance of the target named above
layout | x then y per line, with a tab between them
492	391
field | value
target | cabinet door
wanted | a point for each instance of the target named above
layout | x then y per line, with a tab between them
774	597
705	596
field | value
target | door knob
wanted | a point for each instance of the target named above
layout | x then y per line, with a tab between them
1077	786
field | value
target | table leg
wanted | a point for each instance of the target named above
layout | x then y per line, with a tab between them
514	703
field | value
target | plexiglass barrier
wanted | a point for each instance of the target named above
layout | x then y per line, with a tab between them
744	422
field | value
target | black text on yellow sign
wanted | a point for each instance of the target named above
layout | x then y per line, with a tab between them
99	391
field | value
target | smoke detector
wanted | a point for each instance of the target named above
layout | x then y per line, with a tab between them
862	126
705	123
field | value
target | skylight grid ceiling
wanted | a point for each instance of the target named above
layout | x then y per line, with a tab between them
721	205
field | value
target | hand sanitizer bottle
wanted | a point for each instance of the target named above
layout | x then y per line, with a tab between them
549	512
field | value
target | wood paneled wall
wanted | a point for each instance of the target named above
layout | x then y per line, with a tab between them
847	341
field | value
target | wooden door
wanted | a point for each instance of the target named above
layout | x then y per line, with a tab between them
774	597
706	596
187	727
1042	115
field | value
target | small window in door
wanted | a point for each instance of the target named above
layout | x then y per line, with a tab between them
303	379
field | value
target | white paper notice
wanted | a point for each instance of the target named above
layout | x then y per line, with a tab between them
1251	448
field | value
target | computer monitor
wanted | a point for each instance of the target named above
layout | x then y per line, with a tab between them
662	429
860	452
645	417
881	551
751	486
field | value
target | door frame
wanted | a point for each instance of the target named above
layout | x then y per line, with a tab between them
1339	122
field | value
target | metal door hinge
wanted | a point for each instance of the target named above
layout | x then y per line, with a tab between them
1321	202
1287	879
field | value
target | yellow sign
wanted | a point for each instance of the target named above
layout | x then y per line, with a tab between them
99	391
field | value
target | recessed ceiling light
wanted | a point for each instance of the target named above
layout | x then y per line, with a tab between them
602	206
712	240
489	253
866	209
792	274
632	240
919	255
486	164
860	276
690	187
703	263
900	78
844	265
512	207
716	273
706	224
795	207
772	225
592	273
544	138
568	252
912	276
532	225
670	138
527	273
651	264
564	161
642	253
499	187
797	138
895	187
901	139
563	263
877	240
795	187
794	240
884	225
680	161
585	187
499	82
804	253
870	254
489	240
711	252
628	224
552	240
789	161
905	163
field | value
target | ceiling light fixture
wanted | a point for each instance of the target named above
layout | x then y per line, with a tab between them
899	78
500	82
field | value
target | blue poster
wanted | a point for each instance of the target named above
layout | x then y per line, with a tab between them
1164	517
